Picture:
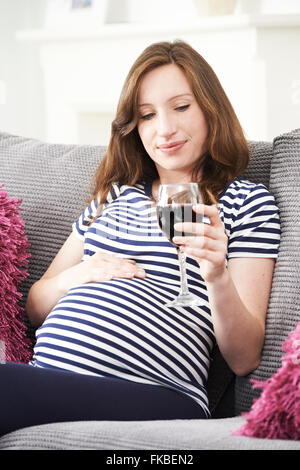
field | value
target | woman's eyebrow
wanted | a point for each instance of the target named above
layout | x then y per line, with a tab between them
181	95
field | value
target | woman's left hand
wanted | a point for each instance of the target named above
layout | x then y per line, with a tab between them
209	244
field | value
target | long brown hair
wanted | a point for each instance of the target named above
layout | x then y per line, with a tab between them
126	160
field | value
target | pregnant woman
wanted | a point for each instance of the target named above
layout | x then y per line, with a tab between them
108	347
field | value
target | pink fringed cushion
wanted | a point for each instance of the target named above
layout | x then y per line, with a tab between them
13	263
276	413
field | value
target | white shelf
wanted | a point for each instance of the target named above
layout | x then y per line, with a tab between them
204	24
84	70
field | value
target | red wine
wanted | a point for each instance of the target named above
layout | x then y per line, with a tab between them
169	215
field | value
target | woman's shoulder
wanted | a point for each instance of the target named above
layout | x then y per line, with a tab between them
241	189
243	200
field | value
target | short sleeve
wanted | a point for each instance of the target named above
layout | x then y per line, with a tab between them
255	225
81	225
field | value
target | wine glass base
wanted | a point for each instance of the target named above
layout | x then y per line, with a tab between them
187	300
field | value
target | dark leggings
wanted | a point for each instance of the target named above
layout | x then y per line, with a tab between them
30	396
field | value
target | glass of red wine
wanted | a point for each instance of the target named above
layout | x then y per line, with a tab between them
175	204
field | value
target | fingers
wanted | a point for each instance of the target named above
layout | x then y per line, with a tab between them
211	212
105	267
208	244
199	228
200	246
110	258
129	271
213	230
213	256
102	274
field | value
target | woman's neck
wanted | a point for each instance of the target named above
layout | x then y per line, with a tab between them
156	183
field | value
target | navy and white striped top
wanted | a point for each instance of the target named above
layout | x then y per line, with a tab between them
121	327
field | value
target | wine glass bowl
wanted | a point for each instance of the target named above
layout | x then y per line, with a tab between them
175	205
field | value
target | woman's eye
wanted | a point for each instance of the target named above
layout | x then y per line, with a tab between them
146	117
182	108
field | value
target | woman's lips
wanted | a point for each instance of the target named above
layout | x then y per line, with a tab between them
171	147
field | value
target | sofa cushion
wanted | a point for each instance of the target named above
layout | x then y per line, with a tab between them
258	170
284	306
211	434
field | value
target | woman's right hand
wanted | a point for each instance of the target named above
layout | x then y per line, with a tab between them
67	271
97	268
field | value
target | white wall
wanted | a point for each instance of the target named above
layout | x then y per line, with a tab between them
21	80
24	97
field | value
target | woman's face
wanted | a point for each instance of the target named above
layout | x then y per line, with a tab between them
171	123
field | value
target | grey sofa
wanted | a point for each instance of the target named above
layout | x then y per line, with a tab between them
52	181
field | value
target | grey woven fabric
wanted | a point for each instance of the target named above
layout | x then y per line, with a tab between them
261	154
284	307
53	183
214	434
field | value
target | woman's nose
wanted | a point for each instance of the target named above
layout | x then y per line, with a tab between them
166	126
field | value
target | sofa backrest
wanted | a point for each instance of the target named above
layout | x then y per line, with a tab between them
221	381
52	180
284	306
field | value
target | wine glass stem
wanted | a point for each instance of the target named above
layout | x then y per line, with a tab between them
184	290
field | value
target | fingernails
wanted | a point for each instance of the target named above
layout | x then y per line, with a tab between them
140	272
